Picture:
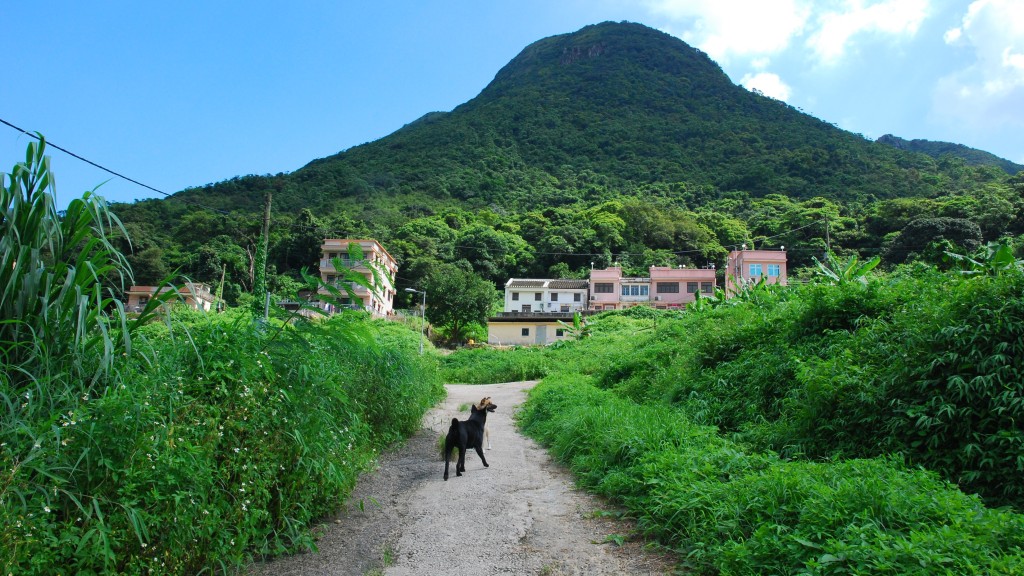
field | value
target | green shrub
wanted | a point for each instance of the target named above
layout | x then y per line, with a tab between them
731	512
138	449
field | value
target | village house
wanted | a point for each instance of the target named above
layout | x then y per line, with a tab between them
749	266
380	301
194	295
665	287
536	311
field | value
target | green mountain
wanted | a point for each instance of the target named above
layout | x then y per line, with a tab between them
937	149
613	144
613	109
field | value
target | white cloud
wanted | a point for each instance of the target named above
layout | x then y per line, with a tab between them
836	28
990	92
736	28
768	84
760	28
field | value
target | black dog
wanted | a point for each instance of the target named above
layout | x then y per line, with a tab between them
467	434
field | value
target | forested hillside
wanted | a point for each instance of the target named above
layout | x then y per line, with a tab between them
616	143
935	149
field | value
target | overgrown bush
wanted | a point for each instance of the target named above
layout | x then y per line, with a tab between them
923	363
728	511
178	448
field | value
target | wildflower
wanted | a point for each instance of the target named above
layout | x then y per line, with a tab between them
46	509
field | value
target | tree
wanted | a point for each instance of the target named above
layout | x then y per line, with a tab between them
928	238
457	298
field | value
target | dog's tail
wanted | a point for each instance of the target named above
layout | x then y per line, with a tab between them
455	424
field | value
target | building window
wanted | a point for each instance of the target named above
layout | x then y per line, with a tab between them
635	289
526	331
515	296
536	296
559	332
603	288
691	287
774	270
565	307
667	288
554	296
577	297
526	308
755	270
705	287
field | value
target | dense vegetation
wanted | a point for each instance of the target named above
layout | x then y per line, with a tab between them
838	427
935	149
178	447
616	143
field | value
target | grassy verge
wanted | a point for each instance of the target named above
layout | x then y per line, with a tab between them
728	511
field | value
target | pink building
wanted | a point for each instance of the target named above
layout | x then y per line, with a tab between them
665	287
751	265
380	301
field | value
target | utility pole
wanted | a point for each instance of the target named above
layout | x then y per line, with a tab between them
259	289
220	289
828	243
423	311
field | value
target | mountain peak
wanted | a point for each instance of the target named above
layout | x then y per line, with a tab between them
609	47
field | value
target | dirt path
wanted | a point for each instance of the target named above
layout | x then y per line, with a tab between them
521	515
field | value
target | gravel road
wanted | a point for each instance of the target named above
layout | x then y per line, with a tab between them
522	515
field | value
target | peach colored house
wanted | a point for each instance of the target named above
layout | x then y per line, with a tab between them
378	302
514	329
751	265
665	287
194	295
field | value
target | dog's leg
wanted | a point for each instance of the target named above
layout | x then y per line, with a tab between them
487	437
449	442
447	455
460	466
480	453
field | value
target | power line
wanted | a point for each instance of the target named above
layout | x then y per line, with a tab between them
39	137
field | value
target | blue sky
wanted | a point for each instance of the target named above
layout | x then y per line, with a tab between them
188	93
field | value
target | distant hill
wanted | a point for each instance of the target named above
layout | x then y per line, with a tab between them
936	149
610	110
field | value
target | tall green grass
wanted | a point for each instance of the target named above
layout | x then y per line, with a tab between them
922	363
184	447
725	510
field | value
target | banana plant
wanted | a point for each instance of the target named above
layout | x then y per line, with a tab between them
992	259
837	272
579	329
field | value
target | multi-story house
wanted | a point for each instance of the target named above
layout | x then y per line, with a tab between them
535	309
379	301
745	266
665	287
192	294
564	296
